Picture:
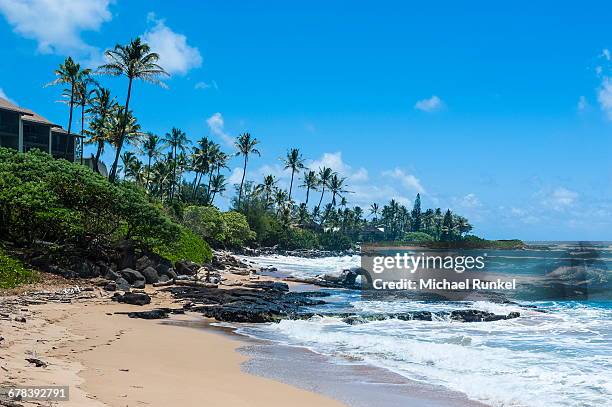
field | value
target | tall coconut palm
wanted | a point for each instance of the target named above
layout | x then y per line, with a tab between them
177	141
101	107
150	147
70	73
325	175
268	187
83	96
336	187
294	162
311	181
134	61
246	146
374	210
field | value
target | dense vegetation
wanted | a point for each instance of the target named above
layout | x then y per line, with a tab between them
14	273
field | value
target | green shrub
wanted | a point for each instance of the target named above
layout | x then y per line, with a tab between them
417	237
189	246
13	273
237	232
221	229
54	200
335	241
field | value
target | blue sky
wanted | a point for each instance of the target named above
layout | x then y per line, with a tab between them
502	113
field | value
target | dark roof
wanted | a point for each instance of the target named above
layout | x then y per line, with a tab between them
30	116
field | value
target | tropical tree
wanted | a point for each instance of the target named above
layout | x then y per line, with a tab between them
101	108
177	140
70	73
134	61
294	162
267	187
311	181
336	187
150	147
325	175
246	146
217	186
374	210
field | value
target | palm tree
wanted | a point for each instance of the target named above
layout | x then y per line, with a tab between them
177	141
295	163
150	147
122	122
280	199
83	97
131	165
246	146
135	61
336	187
310	183
217	185
325	175
268	187
374	210
70	73
101	107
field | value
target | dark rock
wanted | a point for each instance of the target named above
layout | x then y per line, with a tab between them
150	275
163	278
20	319
123	284
138	284
186	267
37	362
153	314
169	272
110	286
472	315
132	275
268	285
144	262
132	298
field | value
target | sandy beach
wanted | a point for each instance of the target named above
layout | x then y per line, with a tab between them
119	361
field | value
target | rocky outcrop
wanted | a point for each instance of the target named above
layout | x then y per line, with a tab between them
132	298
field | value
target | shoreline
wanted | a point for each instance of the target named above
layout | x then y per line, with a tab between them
119	361
113	360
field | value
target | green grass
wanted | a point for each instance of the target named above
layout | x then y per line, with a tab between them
13	273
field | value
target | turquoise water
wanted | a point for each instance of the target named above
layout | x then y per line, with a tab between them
556	354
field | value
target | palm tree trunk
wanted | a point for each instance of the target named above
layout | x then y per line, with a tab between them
173	173
97	157
242	181
291	184
82	126
195	181
307	193
148	174
113	173
70	117
321	199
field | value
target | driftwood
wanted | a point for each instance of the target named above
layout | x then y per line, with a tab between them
164	283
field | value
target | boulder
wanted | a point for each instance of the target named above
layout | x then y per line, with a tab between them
150	275
132	298
138	284
163	278
169	272
186	267
111	286
131	275
123	284
144	262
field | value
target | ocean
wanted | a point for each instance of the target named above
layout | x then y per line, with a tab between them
557	353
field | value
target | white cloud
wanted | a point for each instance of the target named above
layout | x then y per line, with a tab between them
335	162
560	198
236	176
469	201
57	25
430	105
175	55
408	180
582	104
206	85
604	96
4	96
216	124
606	54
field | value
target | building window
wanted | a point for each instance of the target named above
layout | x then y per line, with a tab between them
35	136
62	146
9	129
